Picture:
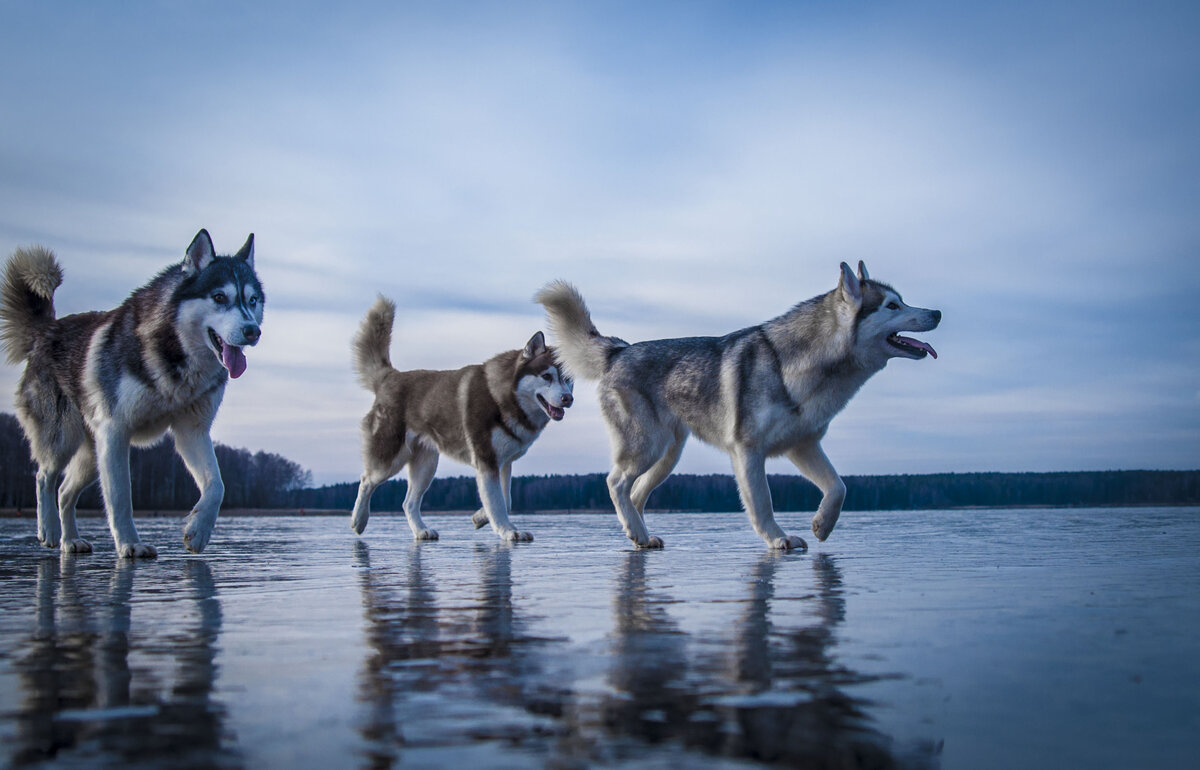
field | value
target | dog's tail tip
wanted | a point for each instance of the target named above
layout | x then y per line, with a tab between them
27	298
373	341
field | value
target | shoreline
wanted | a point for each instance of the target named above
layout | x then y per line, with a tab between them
95	513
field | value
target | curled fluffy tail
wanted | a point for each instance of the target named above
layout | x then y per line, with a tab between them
27	299
583	350
372	343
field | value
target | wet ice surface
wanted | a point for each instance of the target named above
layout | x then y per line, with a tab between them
966	639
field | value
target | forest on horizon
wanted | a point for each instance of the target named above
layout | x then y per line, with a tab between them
263	480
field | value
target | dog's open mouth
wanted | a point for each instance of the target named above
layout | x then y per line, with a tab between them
913	347
231	356
555	412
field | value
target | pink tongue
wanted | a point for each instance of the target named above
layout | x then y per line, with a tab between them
233	359
918	344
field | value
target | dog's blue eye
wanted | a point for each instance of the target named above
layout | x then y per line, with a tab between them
253	301
220	298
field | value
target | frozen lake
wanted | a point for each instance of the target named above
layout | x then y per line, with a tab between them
956	639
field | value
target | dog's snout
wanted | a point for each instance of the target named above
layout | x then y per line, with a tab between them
567	399
251	333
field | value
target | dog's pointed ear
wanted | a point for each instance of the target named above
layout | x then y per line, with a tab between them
247	251
199	255
535	347
862	271
850	286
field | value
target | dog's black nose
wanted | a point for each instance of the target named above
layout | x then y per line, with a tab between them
937	316
251	333
567	399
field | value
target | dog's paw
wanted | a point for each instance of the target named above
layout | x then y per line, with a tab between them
137	551
195	538
789	543
358	524
515	536
50	536
822	526
78	545
652	542
426	534
479	519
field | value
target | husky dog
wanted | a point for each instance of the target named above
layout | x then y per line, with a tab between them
485	415
761	392
97	382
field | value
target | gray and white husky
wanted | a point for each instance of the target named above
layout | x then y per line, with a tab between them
485	415
95	383
761	392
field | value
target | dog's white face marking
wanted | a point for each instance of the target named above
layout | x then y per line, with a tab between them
223	322
552	391
879	333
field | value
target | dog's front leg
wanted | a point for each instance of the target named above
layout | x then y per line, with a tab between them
195	447
491	491
811	461
480	517
750	470
112	452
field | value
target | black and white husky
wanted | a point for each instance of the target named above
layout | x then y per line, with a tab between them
761	392
95	383
485	415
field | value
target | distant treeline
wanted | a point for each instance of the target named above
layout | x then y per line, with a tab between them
264	480
684	492
160	479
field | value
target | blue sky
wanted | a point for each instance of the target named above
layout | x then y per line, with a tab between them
1031	169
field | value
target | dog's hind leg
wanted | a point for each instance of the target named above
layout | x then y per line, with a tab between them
373	476
639	443
112	452
649	481
749	468
81	472
495	502
194	445
49	527
421	469
812	462
480	518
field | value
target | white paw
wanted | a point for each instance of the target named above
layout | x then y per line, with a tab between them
426	534
822	526
137	551
479	519
358	524
789	543
513	536
652	541
78	545
50	535
195	538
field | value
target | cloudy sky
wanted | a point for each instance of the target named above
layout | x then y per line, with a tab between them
1031	169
